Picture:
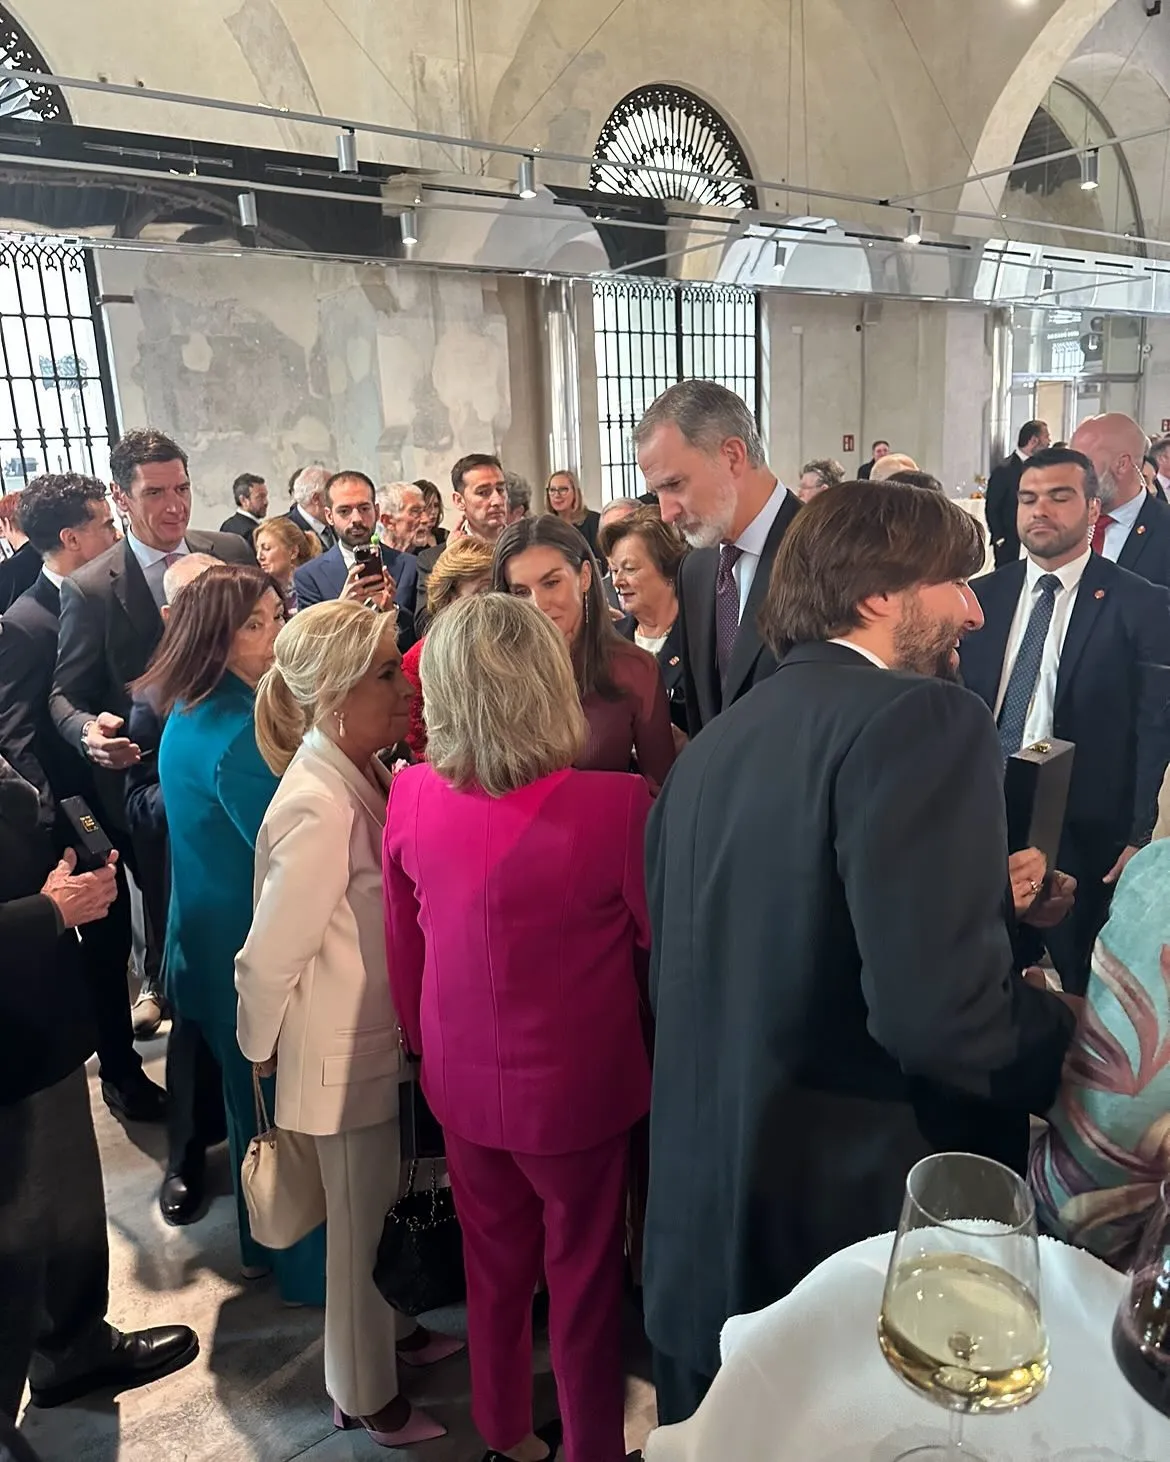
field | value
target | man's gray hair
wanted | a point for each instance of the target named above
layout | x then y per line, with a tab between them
519	492
309	482
706	414
620	505
391	497
184	571
827	471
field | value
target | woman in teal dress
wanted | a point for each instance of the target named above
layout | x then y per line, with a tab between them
216	787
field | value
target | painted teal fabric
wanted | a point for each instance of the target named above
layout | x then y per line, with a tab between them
1096	1171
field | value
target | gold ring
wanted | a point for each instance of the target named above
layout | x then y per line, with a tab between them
1033	885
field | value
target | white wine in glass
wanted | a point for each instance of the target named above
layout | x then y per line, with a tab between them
961	1319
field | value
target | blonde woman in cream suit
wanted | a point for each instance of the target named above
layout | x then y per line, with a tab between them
314	995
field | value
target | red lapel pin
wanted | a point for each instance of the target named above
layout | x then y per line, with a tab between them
1100	594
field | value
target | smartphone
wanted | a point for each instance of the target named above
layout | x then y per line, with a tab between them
368	558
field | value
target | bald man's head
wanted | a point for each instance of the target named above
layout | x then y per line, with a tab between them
1116	446
182	573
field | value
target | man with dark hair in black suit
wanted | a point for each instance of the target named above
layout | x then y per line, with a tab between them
879	450
700	451
1001	492
1075	647
71	523
831	971
250	494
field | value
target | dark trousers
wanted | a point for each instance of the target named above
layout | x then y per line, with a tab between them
195	1111
105	952
680	1390
54	1252
1070	944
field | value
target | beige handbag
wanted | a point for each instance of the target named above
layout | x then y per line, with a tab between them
281	1179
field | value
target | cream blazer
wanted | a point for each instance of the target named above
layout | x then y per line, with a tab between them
311	978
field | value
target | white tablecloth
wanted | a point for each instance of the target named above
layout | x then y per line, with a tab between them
804	1380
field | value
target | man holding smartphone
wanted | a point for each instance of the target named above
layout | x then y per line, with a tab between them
355	567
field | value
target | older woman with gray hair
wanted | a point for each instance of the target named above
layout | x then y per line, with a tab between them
817	475
515	913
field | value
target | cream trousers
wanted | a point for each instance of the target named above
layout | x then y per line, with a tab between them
361	1173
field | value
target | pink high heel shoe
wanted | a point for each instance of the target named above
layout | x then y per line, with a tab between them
438	1348
419	1428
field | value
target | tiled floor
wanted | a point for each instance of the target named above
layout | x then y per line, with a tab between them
257	1389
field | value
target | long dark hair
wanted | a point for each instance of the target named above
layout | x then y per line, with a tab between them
598	642
205	618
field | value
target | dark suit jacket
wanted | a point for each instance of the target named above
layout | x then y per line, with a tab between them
240	523
17	573
110	626
751	660
670	662
28	737
832	981
1112	694
323	578
326	538
47	1026
864	470
1147	549
1002	507
145	815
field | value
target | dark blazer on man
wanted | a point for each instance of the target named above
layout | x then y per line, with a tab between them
110	627
324	578
47	1025
670	662
28	738
832	981
17	573
1002	508
751	660
326	537
242	524
1113	703
1147	549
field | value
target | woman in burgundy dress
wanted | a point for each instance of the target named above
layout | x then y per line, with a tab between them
546	560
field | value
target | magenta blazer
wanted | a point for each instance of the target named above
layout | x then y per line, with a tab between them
512	930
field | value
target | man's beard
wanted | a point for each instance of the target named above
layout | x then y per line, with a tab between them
355	535
1056	547
924	646
710	532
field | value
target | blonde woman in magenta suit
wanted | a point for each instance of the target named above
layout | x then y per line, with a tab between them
314	1001
515	910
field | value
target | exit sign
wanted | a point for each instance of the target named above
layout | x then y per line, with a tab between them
847	439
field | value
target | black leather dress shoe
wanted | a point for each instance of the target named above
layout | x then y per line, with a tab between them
552	1435
140	1100
180	1198
135	1358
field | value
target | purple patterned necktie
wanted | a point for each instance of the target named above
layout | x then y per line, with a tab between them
726	606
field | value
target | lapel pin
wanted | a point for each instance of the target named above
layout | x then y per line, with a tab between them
674	660
1100	594
1141	527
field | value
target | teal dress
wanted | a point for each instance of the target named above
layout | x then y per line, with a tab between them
1097	1170
216	788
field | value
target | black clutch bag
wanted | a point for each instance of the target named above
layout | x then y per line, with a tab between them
88	838
419	1266
1036	783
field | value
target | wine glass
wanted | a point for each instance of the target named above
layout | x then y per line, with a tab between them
961	1319
1141	1332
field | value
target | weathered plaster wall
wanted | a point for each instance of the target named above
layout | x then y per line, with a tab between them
261	364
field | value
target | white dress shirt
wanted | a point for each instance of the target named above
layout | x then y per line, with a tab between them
751	544
55	579
1119	530
861	650
153	561
1039	722
318	528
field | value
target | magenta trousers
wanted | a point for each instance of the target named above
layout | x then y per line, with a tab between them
567	1213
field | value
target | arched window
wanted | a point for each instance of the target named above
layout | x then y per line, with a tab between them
674	133
18	97
648	335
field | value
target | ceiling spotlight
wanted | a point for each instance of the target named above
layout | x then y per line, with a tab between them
347	151
526	178
1090	167
408	223
914	229
246	203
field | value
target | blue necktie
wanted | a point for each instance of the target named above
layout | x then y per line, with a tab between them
1021	685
